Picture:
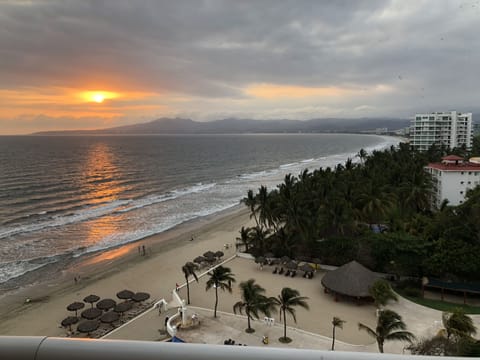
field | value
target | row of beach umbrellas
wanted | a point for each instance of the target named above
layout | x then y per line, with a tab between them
95	315
209	257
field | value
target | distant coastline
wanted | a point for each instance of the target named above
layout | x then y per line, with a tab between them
177	126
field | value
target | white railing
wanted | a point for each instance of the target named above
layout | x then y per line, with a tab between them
49	348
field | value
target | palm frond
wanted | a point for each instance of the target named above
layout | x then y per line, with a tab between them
367	329
400	335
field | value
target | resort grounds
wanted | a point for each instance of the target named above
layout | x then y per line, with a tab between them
160	270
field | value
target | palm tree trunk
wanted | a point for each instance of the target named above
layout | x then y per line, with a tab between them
216	301
248	320
188	291
333	339
380	345
284	324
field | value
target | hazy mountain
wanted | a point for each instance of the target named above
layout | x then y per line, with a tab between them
187	126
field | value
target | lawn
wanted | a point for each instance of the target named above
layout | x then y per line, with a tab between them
441	305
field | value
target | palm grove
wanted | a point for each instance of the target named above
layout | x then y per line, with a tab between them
329	214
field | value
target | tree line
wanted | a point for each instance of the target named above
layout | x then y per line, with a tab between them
376	210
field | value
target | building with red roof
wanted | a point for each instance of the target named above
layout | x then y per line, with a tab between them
452	178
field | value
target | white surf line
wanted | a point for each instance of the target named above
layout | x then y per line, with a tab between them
280	325
153	306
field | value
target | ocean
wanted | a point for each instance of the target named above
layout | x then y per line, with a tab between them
64	197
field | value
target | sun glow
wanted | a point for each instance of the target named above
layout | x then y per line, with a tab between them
98	96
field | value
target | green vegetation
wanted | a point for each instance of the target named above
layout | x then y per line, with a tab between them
336	322
454	340
220	278
287	301
189	270
376	211
440	305
382	293
389	327
253	302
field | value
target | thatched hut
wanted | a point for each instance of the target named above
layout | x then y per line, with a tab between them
351	280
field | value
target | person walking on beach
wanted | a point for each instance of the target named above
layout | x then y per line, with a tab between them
143	250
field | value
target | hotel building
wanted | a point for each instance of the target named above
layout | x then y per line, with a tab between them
452	178
451	129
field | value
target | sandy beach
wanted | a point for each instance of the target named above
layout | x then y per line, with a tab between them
160	270
122	268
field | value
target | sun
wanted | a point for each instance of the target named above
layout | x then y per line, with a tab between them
98	97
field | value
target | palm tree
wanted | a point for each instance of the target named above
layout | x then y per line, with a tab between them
458	324
336	322
221	277
189	270
382	292
253	301
287	300
245	237
387	323
252	204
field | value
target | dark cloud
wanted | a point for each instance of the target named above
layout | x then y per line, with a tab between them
428	53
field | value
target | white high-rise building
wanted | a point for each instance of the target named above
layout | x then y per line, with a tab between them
451	129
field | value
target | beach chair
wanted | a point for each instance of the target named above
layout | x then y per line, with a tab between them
287	273
293	273
275	271
281	271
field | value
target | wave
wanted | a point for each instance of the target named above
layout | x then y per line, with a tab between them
116	206
13	269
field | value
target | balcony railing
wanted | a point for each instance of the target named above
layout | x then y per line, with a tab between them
47	348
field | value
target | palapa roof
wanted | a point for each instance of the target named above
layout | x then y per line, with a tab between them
352	279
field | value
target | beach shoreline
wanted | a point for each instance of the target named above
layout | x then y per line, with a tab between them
94	268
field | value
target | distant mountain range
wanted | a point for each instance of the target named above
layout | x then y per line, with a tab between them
188	126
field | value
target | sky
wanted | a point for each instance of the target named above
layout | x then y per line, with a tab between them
97	64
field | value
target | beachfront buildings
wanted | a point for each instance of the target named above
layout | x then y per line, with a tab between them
451	129
452	178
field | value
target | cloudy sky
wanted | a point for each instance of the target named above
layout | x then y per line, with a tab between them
93	64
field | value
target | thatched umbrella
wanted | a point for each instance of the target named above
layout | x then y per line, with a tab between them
123	307
88	326
306	267
91	313
352	279
210	258
292	265
106	304
209	254
140	296
284	259
69	321
75	306
199	259
269	255
109	317
91	299
125	294
219	254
